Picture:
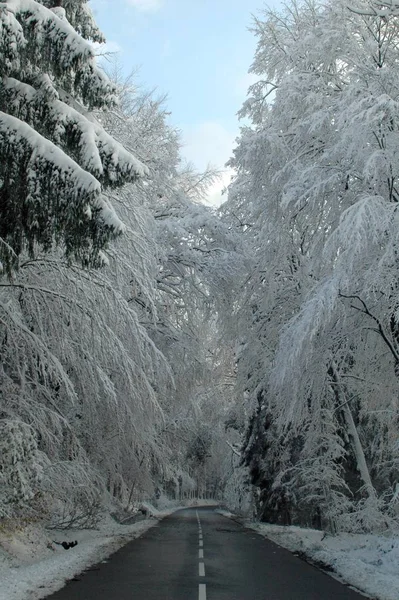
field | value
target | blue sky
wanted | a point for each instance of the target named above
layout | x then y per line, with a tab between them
196	51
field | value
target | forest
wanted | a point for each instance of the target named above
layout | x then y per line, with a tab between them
153	347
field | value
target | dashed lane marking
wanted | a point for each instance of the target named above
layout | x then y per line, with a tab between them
202	591
201	565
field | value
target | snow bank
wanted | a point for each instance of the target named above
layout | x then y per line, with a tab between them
33	566
367	562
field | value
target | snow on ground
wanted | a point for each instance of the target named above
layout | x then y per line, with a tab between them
32	566
364	561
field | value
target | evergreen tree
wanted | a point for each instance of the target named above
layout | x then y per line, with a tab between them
57	162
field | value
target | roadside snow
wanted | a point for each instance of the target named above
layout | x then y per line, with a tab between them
364	561
32	566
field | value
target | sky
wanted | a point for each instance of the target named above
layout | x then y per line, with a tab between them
198	52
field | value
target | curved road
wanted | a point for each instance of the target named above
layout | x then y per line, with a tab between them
197	554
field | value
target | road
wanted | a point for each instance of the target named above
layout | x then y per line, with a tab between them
197	554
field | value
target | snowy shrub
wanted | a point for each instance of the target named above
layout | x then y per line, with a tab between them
370	515
76	492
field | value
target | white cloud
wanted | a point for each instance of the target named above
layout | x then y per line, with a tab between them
210	143
146	5
243	83
207	142
216	197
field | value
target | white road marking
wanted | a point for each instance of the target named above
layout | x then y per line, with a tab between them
201	565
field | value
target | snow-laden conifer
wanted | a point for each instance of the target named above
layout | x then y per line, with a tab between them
57	161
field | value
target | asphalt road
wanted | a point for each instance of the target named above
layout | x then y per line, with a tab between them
201	555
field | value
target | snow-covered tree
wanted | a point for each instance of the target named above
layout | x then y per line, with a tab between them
57	162
66	333
316	191
107	367
196	260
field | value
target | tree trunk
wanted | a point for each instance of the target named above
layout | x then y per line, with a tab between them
343	403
